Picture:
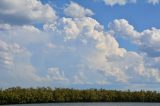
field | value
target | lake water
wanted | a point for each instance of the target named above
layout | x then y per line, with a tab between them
91	104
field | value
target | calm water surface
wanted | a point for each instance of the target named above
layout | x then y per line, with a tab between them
91	104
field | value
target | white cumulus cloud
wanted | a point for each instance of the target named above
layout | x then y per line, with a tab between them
148	40
75	10
25	12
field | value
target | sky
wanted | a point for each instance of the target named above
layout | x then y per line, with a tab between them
110	44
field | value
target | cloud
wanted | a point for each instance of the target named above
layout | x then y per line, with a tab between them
154	2
103	54
73	28
5	57
147	40
24	35
16	54
123	28
80	78
119	2
56	74
75	10
89	29
11	55
148	44
76	50
25	12
102	82
17	69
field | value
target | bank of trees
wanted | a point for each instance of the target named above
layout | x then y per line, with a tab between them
19	95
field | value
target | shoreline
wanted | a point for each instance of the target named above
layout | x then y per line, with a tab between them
18	95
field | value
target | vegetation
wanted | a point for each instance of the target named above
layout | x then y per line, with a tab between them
19	95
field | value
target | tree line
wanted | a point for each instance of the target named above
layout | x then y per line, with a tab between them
18	95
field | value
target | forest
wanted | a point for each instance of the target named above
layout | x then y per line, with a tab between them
18	95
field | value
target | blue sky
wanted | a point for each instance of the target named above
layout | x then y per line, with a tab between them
80	44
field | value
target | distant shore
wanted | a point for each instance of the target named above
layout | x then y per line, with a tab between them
18	95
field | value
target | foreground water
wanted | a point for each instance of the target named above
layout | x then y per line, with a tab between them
91	104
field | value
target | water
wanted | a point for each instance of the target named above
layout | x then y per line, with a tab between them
91	104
